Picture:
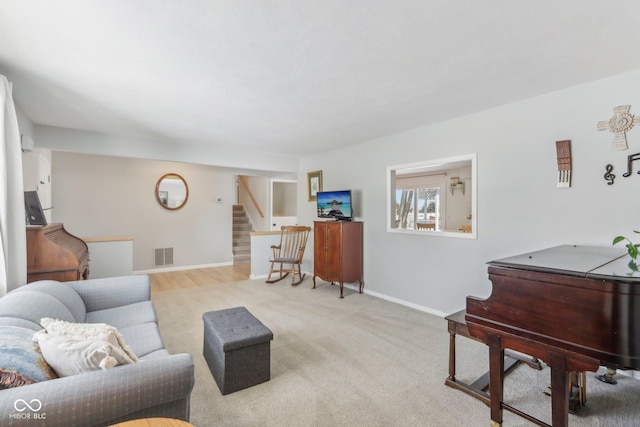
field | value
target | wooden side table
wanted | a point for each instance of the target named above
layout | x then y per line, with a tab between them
154	422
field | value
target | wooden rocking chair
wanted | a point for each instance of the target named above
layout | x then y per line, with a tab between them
289	253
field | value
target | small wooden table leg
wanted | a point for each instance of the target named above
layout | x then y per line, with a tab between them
452	355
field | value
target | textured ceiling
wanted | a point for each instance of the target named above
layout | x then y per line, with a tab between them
298	76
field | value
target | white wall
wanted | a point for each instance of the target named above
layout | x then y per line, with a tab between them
112	196
259	187
29	158
283	194
519	206
110	257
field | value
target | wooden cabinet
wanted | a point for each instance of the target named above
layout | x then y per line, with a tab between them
337	252
55	254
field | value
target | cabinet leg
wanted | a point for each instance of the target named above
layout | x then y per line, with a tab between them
341	288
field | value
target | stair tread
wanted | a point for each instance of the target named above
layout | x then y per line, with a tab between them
241	243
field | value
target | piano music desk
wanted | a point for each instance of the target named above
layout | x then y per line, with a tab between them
457	325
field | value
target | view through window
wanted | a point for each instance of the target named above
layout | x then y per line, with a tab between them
418	208
433	197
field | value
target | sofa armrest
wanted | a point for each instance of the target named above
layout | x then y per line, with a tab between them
101	397
109	292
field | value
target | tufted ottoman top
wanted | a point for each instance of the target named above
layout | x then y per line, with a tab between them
235	328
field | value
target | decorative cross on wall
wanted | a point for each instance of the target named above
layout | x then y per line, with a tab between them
621	122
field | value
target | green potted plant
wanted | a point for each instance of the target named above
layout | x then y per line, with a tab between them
632	249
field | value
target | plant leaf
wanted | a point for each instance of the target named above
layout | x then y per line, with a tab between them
618	239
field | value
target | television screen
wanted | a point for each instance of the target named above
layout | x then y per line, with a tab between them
334	204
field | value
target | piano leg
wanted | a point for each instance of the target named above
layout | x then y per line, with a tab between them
608	376
559	390
496	379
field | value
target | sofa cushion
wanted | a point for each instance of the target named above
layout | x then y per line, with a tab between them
143	339
73	348
158	354
33	306
21	362
21	323
61	291
126	315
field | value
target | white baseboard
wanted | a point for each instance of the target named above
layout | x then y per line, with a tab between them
399	301
184	267
386	297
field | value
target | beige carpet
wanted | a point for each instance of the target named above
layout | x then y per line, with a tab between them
360	361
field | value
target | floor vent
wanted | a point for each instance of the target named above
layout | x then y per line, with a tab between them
162	256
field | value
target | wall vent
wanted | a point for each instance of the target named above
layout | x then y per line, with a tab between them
162	256
168	256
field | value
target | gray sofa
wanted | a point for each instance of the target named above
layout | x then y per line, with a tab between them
158	385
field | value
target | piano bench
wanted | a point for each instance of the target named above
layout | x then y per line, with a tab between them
457	325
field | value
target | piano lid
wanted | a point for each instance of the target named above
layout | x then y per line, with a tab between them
582	261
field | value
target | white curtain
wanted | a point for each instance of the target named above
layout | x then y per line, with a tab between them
13	242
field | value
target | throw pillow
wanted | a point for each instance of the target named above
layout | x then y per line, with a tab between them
21	362
73	348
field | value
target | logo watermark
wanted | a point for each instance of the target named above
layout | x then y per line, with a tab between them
28	410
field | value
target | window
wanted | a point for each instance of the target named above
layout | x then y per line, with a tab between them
433	197
418	206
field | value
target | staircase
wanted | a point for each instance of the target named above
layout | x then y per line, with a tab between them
241	238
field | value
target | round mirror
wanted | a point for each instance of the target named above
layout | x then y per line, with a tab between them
172	191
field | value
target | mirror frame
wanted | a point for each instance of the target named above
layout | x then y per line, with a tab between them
433	166
175	176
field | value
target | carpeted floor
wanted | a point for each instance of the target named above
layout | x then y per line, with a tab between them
360	361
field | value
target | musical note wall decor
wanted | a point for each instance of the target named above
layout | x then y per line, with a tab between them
630	159
608	175
563	153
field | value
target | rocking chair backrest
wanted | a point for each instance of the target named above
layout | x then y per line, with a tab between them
293	240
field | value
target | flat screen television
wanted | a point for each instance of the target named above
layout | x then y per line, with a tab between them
335	204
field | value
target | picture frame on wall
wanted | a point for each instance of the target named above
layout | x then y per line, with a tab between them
314	185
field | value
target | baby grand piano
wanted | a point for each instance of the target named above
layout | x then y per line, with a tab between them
574	307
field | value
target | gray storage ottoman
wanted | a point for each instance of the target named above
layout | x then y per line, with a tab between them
237	348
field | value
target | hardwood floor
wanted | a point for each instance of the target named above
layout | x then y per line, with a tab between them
198	277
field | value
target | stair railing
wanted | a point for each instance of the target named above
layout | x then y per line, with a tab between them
244	185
